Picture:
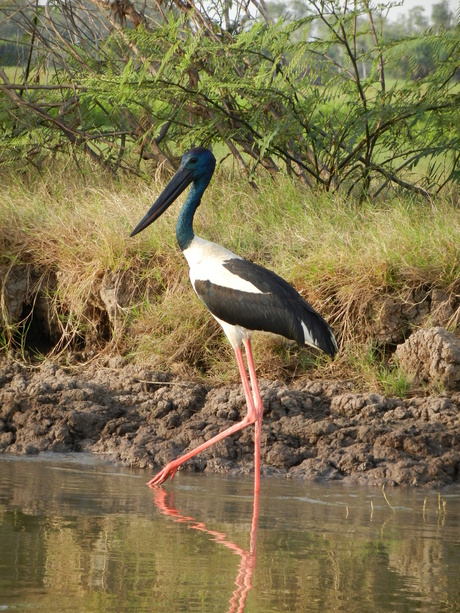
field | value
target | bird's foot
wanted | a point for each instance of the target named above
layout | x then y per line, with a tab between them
167	472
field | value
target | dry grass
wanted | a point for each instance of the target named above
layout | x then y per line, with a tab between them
341	256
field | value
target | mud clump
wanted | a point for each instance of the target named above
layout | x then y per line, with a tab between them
432	356
314	431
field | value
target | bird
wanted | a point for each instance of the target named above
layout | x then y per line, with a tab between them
242	296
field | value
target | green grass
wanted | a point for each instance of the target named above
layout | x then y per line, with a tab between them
344	257
377	373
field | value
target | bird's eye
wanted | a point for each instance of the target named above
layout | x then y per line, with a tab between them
193	160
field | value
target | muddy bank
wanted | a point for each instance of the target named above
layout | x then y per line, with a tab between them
312	430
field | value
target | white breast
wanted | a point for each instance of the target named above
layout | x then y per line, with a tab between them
206	261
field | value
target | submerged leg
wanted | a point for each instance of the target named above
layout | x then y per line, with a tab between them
252	417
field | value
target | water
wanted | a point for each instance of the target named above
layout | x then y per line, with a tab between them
79	535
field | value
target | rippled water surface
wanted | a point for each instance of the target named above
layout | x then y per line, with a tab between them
80	535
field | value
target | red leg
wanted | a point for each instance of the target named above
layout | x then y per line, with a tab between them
259	408
255	387
252	417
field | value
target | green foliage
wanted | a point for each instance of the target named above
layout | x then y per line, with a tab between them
305	95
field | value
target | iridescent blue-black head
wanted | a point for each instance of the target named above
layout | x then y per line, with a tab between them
197	165
200	161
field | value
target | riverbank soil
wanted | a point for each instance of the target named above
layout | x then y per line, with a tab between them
313	430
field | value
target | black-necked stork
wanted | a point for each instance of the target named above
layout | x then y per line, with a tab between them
242	296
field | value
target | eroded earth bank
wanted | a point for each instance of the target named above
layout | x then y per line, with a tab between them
321	430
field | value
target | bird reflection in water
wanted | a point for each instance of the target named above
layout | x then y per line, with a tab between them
164	501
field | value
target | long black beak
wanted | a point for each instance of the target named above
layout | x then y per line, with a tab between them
175	187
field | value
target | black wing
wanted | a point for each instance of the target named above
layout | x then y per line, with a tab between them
278	308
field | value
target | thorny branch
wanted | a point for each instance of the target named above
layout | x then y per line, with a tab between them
143	69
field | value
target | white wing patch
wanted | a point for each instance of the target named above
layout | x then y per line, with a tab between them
307	335
206	261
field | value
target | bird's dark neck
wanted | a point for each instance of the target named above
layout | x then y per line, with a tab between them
184	226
